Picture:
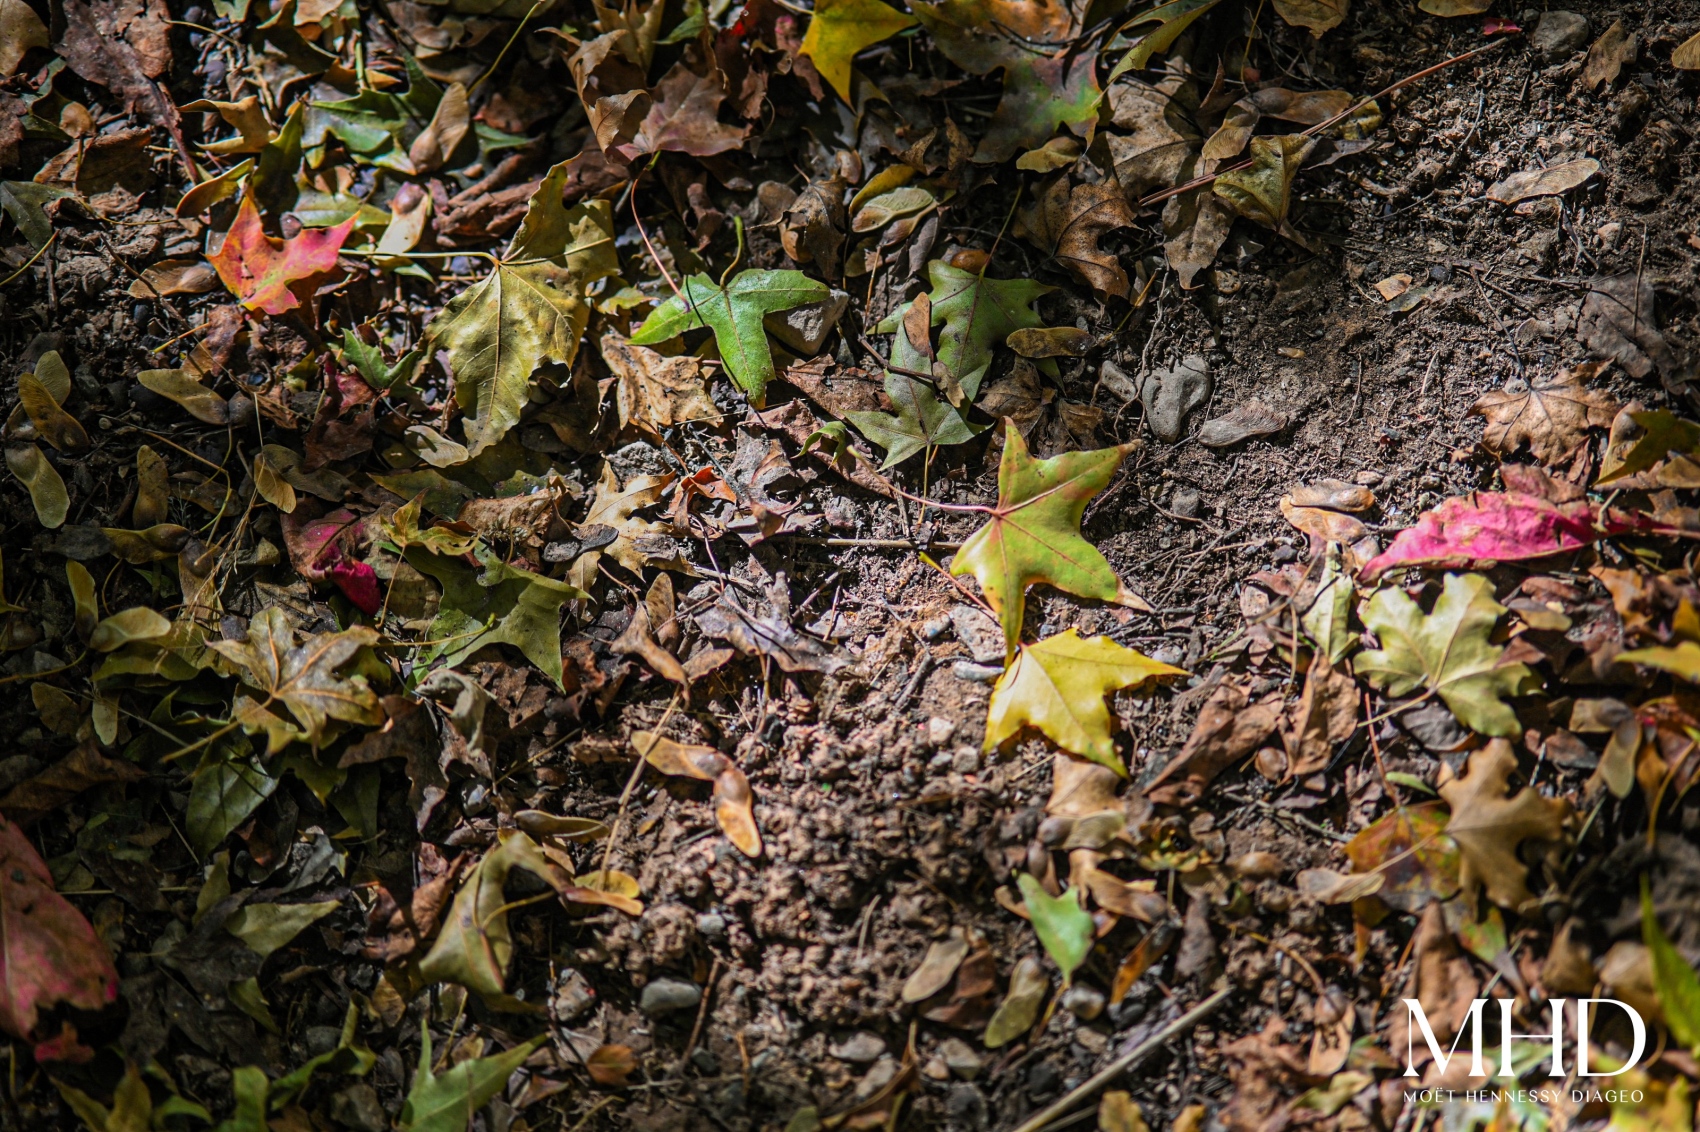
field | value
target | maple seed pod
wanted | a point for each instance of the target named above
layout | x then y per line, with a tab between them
1272	764
969	259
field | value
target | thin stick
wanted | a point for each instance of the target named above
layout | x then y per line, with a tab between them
1127	1060
41	251
631	785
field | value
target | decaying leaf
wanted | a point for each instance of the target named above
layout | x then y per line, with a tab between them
733	802
1552	181
1229	727
46	487
1028	986
841	28
1552	416
1068	225
1489	826
302	677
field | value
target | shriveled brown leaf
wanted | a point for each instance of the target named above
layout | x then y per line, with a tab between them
1329	526
1067	224
733	802
656	393
1552	416
1229	727
1489	821
1325	716
813	227
654	618
1606	58
41	794
938	967
1552	181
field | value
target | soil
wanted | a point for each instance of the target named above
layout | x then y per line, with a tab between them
885	825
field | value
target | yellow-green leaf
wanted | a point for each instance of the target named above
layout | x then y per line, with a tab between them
138	623
839	29
1020	1008
1058	685
1675	980
1033	534
1263	192
1063	925
46	488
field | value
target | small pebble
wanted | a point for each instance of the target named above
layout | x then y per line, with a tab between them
663	996
1186	502
712	925
965	761
976	673
960	1057
1084	1002
1043	1078
934	629
860	1048
939	730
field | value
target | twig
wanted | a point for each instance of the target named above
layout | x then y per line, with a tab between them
878	543
39	252
1127	1060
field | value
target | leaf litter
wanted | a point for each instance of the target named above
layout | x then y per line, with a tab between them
388	383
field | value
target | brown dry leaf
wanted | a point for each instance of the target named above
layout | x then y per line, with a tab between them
448	125
1606	58
1569	965
733	802
1489	826
938	967
1333	495
1151	947
610	1065
44	793
1687	55
1553	416
1553	181
1331	1044
770	635
1393	286
684	118
1067	225
409	733
652	622
1329	526
1245	422
124	45
1195	225
1119	1112
1620	321
1229	728
1316	16
1325	716
52	423
813	227
1441	980
1450	8
615	506
654	393
175	277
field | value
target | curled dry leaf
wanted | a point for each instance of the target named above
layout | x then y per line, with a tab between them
652	621
1552	416
734	805
1553	181
1229	727
1068	224
1016	1014
52	423
938	967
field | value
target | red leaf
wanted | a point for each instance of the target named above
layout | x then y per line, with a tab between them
48	951
1472	531
1499	25
316	549
276	275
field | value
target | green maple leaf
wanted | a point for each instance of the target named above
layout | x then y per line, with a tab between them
1058	685
1063	926
1047	81
529	310
1449	652
735	316
501	606
447	1102
1033	534
922	418
839	29
977	314
304	677
369	361
377	126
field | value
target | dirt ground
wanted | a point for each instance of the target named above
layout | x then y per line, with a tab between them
885	826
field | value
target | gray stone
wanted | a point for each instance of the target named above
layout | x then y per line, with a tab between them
1186	502
1170	394
965	761
876	1078
664	996
804	329
959	1057
976	673
976	629
574	996
1084	1002
939	730
711	924
1115	379
860	1048
1559	34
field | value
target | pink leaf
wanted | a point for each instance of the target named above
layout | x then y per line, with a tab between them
1477	530
48	953
1499	25
358	583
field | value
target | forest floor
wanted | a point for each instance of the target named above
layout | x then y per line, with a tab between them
274	887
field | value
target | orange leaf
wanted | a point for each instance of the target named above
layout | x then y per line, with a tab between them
276	275
610	1065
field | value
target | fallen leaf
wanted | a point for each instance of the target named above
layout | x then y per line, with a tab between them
47	490
684	118
1119	1112
733	802
50	953
1412	852
734	314
921	419
174	277
1263	192
185	388
1553	416
1058	686
1028	986
503	605
1452	8
475	945
1323	719
1051	342
138	623
610	1065
840	29
21	30
442	135
1674	978
768	635
655	616
656	393
319	550
253	130
1606	58
275	276
1552	181
1315	16
1068	224
813	227
304	677
1033	534
1041	90
1619	321
1195	226
448	1101
1229	727
1441	981
938	967
1058	153
1479	530
1448	652
1063	925
47	791
1246	422
1489	826
1686	57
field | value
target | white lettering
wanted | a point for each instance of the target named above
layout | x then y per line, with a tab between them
1638	1027
1414	1013
1506	1037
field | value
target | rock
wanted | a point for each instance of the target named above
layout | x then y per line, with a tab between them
1247	421
1043	1078
860	1048
976	673
966	1106
960	1058
712	925
804	329
939	730
939	763
935	1070
1115	379
574	996
965	761
1186	502
1084	1002
359	1108
1170	394
934	629
976	629
876	1078
1091	1040
664	996
1559	34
